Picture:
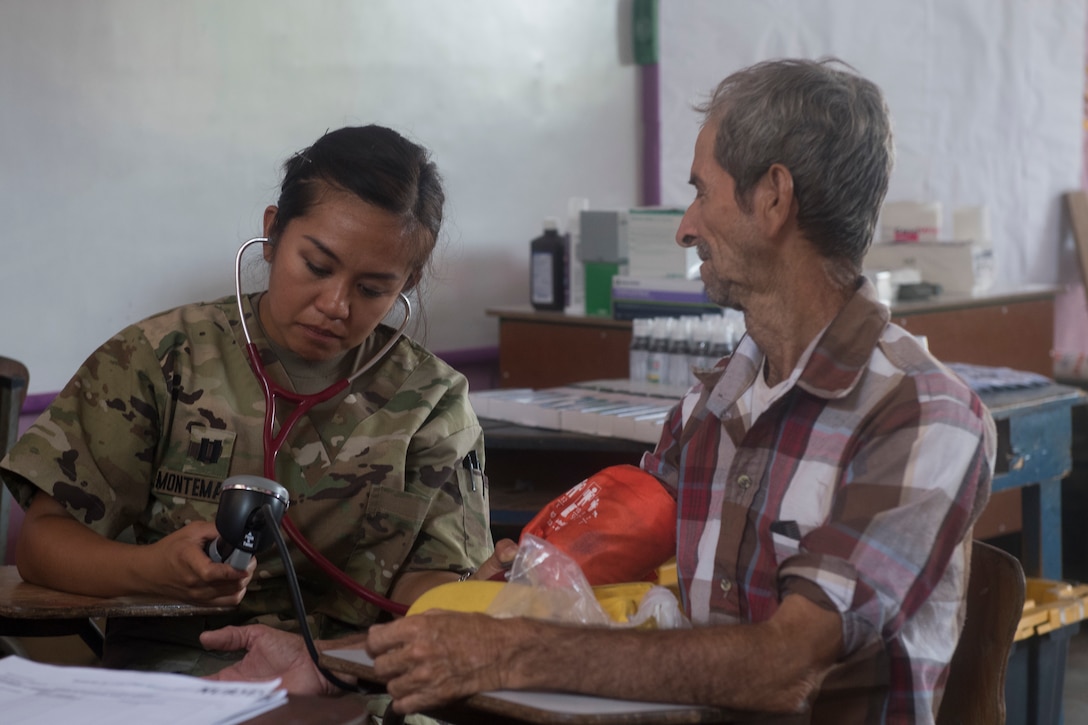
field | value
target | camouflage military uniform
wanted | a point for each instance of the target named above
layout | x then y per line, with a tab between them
153	422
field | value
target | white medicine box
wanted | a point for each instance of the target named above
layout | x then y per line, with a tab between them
652	251
960	268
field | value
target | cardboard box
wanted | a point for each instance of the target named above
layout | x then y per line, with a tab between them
603	236
958	267
598	287
909	221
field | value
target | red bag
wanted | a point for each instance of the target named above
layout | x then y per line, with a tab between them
619	525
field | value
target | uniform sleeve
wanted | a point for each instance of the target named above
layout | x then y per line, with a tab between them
917	480
93	448
456	531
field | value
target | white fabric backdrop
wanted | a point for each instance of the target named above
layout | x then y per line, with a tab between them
140	140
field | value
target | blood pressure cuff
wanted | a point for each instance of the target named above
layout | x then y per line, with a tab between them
619	525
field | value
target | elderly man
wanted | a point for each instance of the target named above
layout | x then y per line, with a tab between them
827	474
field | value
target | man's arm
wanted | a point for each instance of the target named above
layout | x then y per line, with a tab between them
775	666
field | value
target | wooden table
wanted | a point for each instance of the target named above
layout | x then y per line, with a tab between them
28	610
314	710
1034	454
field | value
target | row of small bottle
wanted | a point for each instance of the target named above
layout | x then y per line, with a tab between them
666	349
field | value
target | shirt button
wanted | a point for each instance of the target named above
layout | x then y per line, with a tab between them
726	585
744	481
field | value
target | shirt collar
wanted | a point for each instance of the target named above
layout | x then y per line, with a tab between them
832	369
844	349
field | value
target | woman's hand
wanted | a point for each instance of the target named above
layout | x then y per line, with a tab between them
55	550
498	563
411	585
183	570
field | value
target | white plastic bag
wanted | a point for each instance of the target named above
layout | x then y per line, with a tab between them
545	583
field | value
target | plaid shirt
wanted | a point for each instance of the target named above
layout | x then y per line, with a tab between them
857	488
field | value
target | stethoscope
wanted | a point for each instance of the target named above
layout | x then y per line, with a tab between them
273	442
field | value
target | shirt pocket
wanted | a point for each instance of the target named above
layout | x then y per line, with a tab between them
784	547
392	515
475	509
209	452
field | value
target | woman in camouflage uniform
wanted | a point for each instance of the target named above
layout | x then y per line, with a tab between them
121	475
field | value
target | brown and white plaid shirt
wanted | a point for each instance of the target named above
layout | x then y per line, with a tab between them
857	487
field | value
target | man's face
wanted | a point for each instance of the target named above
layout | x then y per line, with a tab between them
726	237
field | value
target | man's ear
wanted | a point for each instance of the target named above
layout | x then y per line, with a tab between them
775	202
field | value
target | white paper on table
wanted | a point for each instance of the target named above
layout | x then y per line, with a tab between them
33	693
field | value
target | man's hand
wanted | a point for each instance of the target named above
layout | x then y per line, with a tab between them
270	653
437	657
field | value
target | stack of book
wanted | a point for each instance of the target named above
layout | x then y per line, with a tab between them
611	408
634	297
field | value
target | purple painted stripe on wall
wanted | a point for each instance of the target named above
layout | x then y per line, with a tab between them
37	402
473	355
651	136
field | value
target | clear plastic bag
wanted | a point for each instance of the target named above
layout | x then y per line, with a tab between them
545	583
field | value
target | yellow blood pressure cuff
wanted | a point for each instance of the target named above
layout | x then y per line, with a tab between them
619	601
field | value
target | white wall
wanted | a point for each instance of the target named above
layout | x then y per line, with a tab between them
140	141
985	95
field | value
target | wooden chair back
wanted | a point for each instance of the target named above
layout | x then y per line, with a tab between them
14	379
975	691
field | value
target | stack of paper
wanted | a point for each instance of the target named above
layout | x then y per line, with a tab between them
32	692
635	297
616	409
983	378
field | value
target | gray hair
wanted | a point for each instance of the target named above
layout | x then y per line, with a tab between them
830	127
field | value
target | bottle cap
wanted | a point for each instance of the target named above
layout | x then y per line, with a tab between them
551	224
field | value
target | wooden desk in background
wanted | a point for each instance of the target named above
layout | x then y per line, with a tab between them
1012	329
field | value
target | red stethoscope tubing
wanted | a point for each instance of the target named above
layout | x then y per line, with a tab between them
274	442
